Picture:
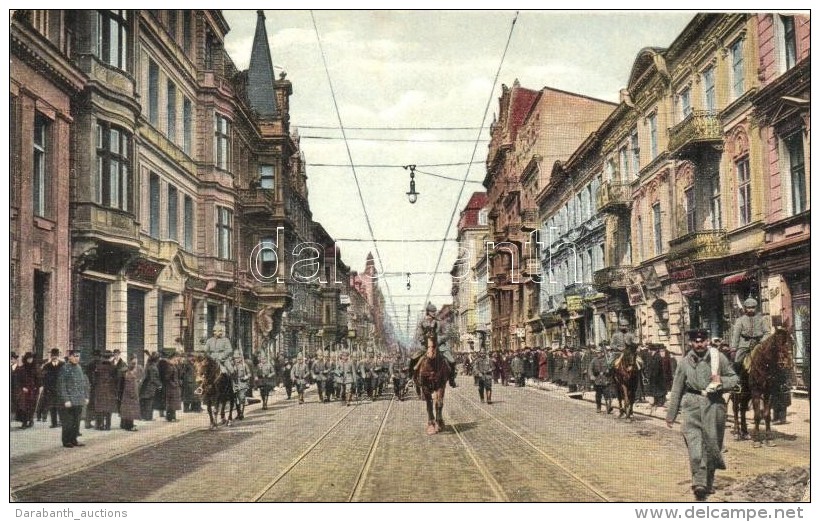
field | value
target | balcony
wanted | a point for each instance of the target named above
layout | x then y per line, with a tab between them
256	201
614	197
159	250
532	267
611	277
529	220
105	224
699	128
700	245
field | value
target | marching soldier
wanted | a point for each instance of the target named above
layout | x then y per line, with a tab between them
698	391
517	369
599	370
483	371
299	374
398	373
346	377
747	331
367	374
320	371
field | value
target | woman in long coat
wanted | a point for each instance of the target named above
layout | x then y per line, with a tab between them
130	403
105	383
27	382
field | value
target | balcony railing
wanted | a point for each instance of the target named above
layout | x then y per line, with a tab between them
614	197
611	277
532	267
702	244
700	127
529	220
256	201
96	220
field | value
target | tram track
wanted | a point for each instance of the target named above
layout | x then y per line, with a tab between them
551	459
331	441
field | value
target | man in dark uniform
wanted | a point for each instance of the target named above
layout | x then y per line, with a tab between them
431	327
701	379
398	373
73	388
483	371
320	371
599	371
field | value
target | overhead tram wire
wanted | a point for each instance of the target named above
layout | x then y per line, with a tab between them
350	157
387	166
475	149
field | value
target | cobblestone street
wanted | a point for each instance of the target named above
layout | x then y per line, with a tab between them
533	444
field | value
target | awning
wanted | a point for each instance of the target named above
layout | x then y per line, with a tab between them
735	278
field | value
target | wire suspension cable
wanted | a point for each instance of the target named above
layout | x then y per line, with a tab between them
472	158
350	156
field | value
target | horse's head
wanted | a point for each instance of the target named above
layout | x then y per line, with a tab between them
783	346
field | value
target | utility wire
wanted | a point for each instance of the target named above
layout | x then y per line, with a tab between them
407	140
365	240
472	158
350	155
386	166
396	128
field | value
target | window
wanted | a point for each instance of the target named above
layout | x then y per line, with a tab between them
40	168
173	213
172	111
636	152
709	90
714	206
189	223
639	233
172	24
737	69
209	50
624	162
652	121
224	219
744	192
610	170
187	31
685	101
153	93
482	216
789	45
267	256
153	205
187	125
112	42
266	177
112	179
797	170
656	226
221	132
691	205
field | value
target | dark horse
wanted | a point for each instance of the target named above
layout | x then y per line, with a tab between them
430	375
216	390
770	364
625	374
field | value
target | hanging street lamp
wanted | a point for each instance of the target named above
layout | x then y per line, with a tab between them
412	196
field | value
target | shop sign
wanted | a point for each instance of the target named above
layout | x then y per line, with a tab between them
650	278
635	294
575	303
680	269
344	299
688	287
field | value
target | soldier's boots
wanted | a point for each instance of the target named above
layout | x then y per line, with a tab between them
321	396
349	397
489	397
453	376
481	396
301	397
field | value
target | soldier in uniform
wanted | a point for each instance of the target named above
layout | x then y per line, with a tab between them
431	327
383	374
398	373
299	374
517	368
219	349
320	371
346	377
265	376
748	330
599	372
367	374
697	390
483	371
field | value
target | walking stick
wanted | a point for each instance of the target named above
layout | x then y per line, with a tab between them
37	403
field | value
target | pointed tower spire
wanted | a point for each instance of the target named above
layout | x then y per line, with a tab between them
261	94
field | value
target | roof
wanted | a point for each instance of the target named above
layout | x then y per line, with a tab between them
261	94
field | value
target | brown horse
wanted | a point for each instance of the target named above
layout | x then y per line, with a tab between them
216	390
430	375
625	374
770	364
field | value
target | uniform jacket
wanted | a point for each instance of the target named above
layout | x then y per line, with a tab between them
748	331
73	385
299	372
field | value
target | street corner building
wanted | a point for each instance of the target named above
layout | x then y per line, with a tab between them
157	190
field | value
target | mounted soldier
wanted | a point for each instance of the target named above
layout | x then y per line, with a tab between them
431	327
747	332
219	348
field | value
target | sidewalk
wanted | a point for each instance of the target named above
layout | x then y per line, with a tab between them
797	417
37	454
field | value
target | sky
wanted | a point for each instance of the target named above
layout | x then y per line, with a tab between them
425	70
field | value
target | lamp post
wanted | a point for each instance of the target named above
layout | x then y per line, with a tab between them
412	196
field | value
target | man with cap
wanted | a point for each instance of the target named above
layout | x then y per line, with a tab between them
219	348
431	327
623	338
299	374
346	376
73	388
398	373
319	370
701	379
51	393
747	331
483	371
517	369
600	373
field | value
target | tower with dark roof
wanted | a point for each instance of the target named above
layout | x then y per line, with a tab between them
261	93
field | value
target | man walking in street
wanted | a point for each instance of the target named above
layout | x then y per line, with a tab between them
701	379
599	371
319	370
74	392
299	374
483	371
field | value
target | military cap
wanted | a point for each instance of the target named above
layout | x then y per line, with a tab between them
698	334
55	351
73	352
431	307
750	303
